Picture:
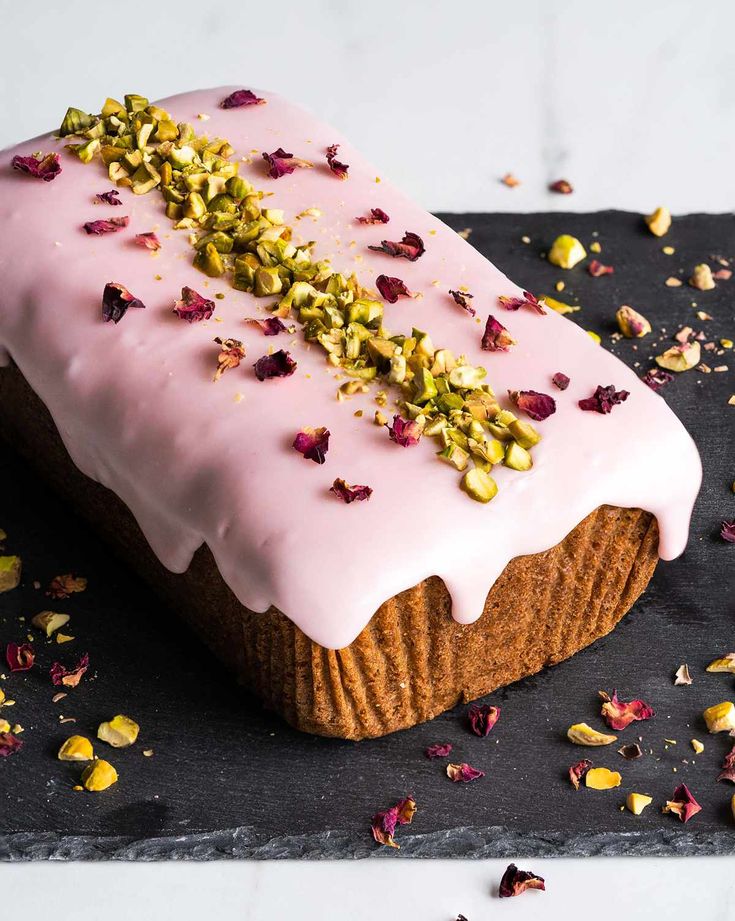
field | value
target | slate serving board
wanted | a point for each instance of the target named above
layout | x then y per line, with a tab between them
230	780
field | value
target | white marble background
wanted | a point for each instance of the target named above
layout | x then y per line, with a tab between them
633	102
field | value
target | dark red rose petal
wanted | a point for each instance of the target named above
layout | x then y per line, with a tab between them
561	186
271	326
241	98
69	677
391	288
109	198
313	444
9	744
728	767
683	803
603	399
66	585
19	657
405	432
116	301
112	225
192	307
410	247
538	406
463	299
281	163
727	531
596	269
618	713
655	378
147	240
496	337
440	750
578	771
463	773
528	300
46	168
348	493
482	718
279	364
560	380
339	169
385	823
515	882
377	216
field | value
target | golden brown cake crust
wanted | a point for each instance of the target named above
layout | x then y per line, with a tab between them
412	661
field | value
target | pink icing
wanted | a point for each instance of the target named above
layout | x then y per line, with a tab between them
195	463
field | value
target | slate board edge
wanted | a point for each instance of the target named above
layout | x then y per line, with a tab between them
459	843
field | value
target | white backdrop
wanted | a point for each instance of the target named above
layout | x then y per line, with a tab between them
634	102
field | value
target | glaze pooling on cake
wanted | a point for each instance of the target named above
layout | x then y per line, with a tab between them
199	462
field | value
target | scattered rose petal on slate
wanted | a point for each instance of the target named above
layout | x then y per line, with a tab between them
683	803
482	718
279	364
116	301
561	186
348	493
19	657
111	225
271	326
405	432
339	169
439	750
231	353
597	269
560	380
9	744
728	767
109	198
410	247
463	299
538	406
377	216
727	531
515	882
281	163
313	444
618	713
192	307
391	288
496	337
577	772
241	98
384	823
45	167
463	773
66	585
528	300
603	399
147	240
655	378
69	677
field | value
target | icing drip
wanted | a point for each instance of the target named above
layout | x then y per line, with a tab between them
198	462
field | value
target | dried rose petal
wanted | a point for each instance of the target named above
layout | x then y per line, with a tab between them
63	586
281	163
313	444
618	714
722	274
384	823
510	180
241	98
377	216
683	804
727	531
192	307
516	881
279	364
116	301
561	186
461	298
41	167
111	225
348	493
596	269
577	772
148	240
69	677
631	752
20	658
482	718
339	169
728	767
230	355
496	337
391	288
655	378
109	198
528	300
9	744
560	380
271	326
538	406
603	399
410	247
463	773
440	750
405	432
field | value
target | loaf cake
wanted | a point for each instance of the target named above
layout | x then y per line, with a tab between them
374	475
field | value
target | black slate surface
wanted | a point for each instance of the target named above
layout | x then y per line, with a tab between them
228	779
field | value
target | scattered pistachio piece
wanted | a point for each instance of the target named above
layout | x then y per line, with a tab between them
9	572
725	664
479	485
49	621
566	251
697	746
668	250
702	277
637	802
720	717
682	357
76	748
673	282
63	638
559	306
659	221
602	779
582	734
632	325
99	775
119	732
4	726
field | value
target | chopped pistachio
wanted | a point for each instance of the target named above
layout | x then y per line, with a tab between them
209	261
99	775
380	418
455	455
720	717
680	357
594	336
479	485
524	433
697	746
10	567
659	221
4	726
632	325
702	277
76	748
582	734
726	663
559	306
49	621
637	802
566	251
602	779
517	458
119	732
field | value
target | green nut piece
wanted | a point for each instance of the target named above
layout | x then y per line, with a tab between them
194	206
209	261
50	621
524	433
238	188
134	103
517	458
424	387
267	282
479	485
566	251
99	775
454	455
119	732
75	122
9	572
76	748
680	357
632	325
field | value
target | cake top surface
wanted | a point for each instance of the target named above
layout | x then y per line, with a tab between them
203	461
